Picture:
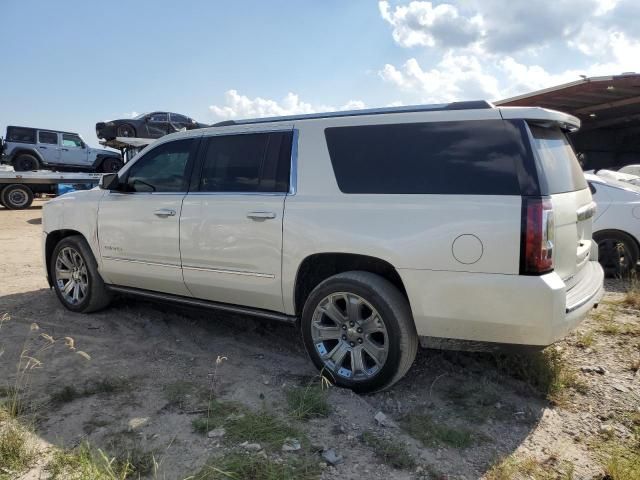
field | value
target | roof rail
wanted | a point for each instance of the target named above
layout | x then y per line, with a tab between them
471	105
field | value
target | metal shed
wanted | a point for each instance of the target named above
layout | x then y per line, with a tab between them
609	108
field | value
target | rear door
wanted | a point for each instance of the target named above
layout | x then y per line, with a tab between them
562	179
48	146
157	124
231	222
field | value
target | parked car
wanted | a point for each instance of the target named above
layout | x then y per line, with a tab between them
29	148
374	229
617	175
617	224
631	169
147	125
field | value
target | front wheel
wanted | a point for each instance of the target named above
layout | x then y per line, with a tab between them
111	165
75	276
358	330
617	252
126	130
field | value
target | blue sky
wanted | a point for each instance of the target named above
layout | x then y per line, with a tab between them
80	62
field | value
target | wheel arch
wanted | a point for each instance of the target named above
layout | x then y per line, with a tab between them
53	238
28	151
317	267
617	231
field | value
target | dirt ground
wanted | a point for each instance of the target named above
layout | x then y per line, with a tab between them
159	361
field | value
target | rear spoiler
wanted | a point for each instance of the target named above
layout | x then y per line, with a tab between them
541	116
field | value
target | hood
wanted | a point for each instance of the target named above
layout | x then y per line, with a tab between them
102	151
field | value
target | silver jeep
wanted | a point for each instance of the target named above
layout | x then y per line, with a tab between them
33	149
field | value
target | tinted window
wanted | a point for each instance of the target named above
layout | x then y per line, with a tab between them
253	162
179	118
71	140
158	117
19	134
48	137
558	167
471	157
163	169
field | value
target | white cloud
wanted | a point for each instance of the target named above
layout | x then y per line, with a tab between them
493	49
420	23
241	106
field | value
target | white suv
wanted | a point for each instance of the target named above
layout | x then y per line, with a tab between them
372	228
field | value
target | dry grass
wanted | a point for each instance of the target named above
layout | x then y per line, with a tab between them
85	463
632	296
585	339
390	452
236	466
308	402
430	433
514	468
17	448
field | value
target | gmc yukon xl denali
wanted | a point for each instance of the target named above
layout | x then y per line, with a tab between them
374	229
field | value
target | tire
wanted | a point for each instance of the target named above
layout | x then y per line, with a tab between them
73	255
16	197
25	163
111	165
373	297
125	130
618	253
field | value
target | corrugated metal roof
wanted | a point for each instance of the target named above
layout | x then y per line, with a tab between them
597	101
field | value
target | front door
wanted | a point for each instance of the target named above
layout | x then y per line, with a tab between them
138	226
231	225
73	150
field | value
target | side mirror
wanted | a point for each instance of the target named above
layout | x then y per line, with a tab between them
109	181
83	145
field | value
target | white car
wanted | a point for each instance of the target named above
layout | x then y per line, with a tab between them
617	224
631	169
616	175
373	229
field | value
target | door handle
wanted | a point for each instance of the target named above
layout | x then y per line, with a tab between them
42	148
164	212
64	149
261	215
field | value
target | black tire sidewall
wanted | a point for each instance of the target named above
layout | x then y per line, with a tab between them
77	244
6	191
388	371
630	246
33	162
108	162
124	127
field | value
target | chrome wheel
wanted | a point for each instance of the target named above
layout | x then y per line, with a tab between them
72	278
350	336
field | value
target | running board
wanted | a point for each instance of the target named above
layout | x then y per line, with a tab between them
194	302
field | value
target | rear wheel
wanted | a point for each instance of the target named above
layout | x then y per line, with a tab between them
617	252
75	276
25	162
16	197
126	130
111	165
358	330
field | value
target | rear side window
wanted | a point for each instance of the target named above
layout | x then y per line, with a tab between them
20	134
558	168
50	138
250	162
470	157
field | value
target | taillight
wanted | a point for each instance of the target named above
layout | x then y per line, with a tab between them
536	244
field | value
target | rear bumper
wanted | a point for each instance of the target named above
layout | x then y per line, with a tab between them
511	309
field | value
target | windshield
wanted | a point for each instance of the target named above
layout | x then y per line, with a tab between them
558	166
141	116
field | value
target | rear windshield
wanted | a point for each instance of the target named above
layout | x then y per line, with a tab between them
470	157
558	167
